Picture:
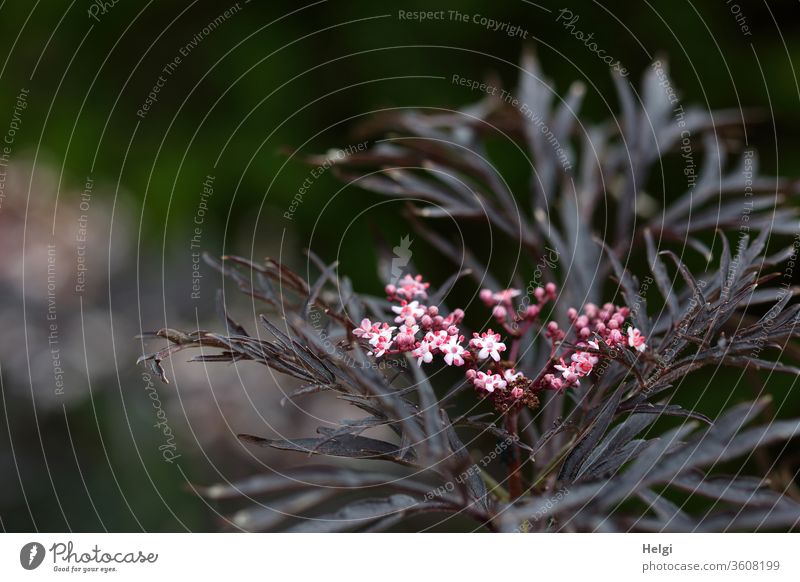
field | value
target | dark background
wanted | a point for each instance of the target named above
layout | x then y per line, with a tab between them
273	77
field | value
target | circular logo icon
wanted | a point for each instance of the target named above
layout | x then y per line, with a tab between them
31	555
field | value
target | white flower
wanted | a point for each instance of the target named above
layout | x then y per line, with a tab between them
437	338
382	335
453	352
423	353
636	339
366	330
412	310
489	382
488	344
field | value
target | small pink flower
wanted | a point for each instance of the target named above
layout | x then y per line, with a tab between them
405	339
636	339
532	312
583	362
510	375
436	338
488	344
382	341
382	334
569	373
410	287
615	337
453	351
406	310
489	382
366	330
506	295
423	352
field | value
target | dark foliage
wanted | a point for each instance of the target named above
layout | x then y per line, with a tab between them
592	457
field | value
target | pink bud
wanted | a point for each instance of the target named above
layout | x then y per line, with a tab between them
550	289
552	326
572	313
487	296
624	311
585	333
438	321
426	321
405	341
538	293
470	374
517	392
390	290
590	309
433	310
499	313
532	312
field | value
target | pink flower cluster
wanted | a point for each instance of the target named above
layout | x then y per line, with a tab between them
424	333
516	321
603	324
607	323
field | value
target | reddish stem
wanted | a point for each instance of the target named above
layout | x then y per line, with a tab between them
514	473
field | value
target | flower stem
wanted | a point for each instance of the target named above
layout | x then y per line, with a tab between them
514	473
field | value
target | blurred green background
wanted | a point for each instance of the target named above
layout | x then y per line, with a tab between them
269	78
